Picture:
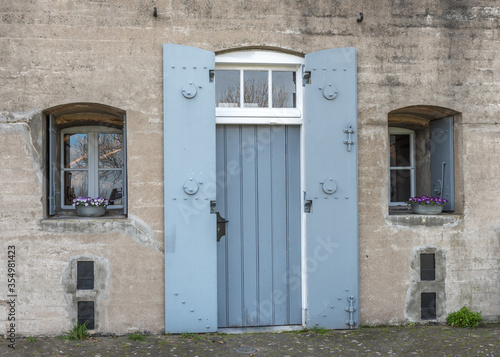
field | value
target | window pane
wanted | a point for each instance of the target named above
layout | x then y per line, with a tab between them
227	88
400	150
75	184
75	151
400	185
110	151
284	89
256	92
110	186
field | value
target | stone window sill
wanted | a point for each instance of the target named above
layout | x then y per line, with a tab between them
73	223
66	216
406	218
133	226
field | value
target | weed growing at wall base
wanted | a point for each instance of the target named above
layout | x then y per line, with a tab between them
78	332
136	337
464	318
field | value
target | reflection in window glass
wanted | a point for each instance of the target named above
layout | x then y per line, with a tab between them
110	186
283	89
75	184
75	151
255	91
110	151
400	150
227	88
400	185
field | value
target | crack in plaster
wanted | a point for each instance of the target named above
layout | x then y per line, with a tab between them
136	228
133	226
9	122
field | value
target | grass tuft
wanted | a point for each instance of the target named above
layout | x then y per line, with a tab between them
78	332
190	336
136	337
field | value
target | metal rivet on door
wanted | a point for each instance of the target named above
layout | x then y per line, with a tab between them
329	186
189	91
191	186
330	92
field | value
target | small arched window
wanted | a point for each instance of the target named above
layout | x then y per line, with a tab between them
86	146
421	155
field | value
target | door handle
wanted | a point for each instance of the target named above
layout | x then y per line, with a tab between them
221	226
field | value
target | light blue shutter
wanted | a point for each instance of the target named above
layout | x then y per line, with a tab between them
189	174
332	187
52	138
442	171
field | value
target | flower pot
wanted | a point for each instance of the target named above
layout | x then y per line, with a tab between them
90	211
427	209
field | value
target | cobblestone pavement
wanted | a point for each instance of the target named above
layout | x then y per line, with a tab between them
373	341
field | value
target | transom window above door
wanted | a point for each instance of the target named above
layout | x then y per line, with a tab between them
255	89
258	87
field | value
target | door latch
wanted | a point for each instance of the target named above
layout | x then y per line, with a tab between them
221	226
349	131
308	206
221	221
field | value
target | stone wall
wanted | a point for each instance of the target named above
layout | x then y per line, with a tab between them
442	54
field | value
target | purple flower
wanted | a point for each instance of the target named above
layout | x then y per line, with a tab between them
424	200
89	201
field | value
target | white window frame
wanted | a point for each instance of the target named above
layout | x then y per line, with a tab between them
261	61
411	134
93	170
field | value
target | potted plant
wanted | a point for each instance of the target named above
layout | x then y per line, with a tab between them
90	207
427	205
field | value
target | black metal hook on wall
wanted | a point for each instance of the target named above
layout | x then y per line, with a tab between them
155	13
360	18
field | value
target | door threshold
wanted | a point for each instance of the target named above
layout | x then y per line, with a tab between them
260	329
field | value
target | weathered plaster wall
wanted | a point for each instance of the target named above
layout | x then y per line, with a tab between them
110	51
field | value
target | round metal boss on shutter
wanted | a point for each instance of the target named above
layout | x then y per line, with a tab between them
190	186
329	186
330	92
189	91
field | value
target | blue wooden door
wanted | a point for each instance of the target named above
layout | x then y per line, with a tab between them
252	277
189	171
258	192
331	188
